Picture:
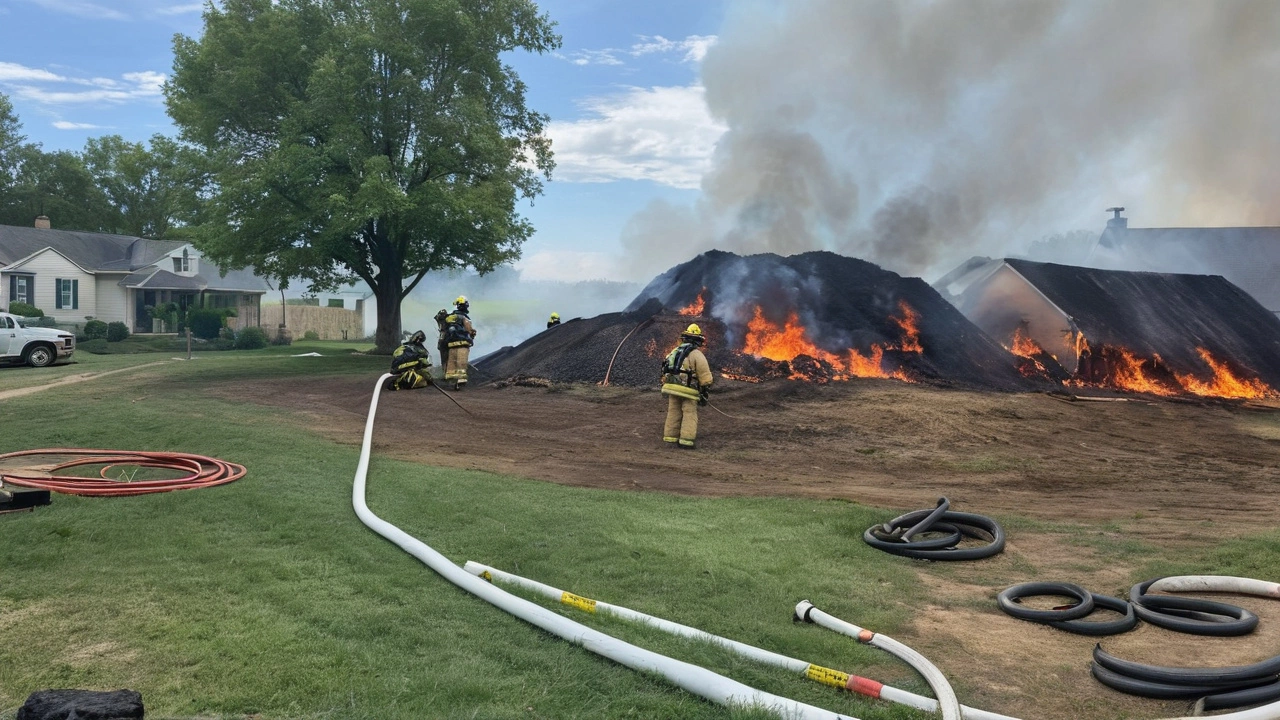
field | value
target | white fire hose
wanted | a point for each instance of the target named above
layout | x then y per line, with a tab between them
1216	583
695	679
817	673
941	688
698	680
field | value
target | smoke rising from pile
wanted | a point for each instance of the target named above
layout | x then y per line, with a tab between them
916	133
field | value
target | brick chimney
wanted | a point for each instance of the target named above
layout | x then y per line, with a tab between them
42	222
1116	222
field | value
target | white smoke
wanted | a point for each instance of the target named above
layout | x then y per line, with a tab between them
915	133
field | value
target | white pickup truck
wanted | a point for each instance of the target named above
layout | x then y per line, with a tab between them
35	346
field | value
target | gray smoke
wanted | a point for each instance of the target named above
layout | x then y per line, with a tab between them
916	133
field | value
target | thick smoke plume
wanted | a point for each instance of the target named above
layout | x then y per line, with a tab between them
915	133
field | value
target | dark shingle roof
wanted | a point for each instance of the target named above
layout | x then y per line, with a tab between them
165	280
243	280
91	251
103	252
1162	313
1248	256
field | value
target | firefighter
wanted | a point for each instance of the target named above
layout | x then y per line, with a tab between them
554	321
411	363
460	336
686	381
441	344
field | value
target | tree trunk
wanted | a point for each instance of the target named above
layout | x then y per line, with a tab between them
387	337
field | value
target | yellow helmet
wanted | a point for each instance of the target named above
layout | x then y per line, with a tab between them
555	316
462	300
694	330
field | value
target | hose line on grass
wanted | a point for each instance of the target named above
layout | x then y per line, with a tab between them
817	673
695	679
199	472
947	701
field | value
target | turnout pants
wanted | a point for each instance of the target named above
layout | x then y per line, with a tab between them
682	421
456	367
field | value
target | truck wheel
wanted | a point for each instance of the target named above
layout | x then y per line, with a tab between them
40	356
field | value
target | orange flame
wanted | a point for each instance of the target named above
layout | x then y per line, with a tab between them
1224	383
790	341
1023	346
697	307
910	329
1129	372
1077	341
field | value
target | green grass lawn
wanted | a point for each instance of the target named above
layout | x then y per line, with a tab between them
269	597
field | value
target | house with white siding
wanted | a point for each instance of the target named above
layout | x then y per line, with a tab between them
72	276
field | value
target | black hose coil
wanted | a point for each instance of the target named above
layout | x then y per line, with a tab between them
894	537
1069	619
1266	670
1216	688
1191	615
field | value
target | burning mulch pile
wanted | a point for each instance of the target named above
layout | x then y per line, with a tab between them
1157	333
818	317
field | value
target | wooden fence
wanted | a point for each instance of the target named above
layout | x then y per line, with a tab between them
328	322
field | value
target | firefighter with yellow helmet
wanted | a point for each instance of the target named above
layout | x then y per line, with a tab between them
410	364
459	335
686	381
554	321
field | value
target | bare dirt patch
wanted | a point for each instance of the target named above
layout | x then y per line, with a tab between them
1090	475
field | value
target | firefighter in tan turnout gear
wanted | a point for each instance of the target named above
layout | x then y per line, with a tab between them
459	335
686	381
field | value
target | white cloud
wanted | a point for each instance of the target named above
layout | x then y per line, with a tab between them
663	134
13	72
568	266
49	88
81	9
180	9
692	49
608	56
65	125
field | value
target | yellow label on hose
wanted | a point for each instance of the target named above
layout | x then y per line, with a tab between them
827	676
486	576
578	601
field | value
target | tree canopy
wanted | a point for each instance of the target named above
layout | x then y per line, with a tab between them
370	139
114	186
151	192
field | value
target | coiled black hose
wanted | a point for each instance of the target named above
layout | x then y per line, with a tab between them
1191	615
1164	691
1069	619
1217	688
895	536
1267	669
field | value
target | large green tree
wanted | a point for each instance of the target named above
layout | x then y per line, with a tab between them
57	185
152	192
11	138
370	139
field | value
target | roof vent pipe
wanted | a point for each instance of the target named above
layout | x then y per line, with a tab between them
1116	222
42	222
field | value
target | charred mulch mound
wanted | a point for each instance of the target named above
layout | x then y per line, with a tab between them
581	350
843	303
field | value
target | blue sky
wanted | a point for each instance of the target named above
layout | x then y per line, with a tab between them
629	124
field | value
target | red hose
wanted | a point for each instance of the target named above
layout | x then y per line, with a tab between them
200	471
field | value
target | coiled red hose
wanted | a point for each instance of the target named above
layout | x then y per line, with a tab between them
200	471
